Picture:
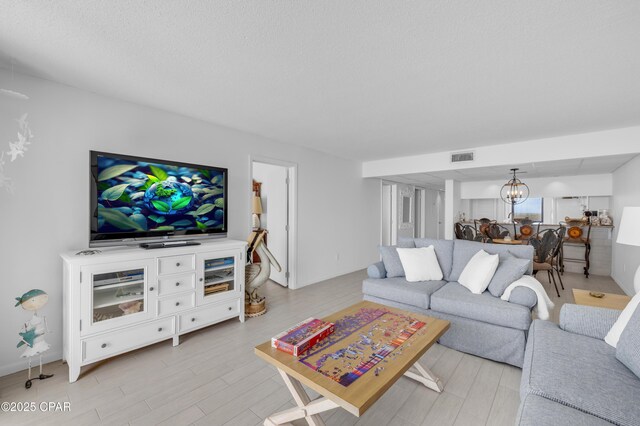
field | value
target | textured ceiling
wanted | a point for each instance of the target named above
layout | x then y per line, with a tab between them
362	79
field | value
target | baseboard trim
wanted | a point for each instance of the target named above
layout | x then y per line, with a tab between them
22	363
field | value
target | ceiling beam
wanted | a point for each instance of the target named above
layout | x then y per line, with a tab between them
585	145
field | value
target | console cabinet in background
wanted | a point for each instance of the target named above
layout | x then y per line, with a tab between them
126	298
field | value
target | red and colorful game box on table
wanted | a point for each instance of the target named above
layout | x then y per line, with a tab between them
301	337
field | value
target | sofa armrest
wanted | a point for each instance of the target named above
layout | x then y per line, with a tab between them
587	320
523	296
377	270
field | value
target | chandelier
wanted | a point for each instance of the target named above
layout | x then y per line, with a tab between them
515	191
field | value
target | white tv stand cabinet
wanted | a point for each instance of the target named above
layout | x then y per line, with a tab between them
126	298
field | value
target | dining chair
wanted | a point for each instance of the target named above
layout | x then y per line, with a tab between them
495	231
548	246
466	232
576	238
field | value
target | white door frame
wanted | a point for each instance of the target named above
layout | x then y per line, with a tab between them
421	221
384	183
292	234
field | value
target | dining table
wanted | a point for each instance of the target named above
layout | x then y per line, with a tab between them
512	242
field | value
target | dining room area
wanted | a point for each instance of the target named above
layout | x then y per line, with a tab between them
569	233
569	210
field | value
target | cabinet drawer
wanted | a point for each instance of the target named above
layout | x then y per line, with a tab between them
178	303
123	340
176	284
176	264
209	315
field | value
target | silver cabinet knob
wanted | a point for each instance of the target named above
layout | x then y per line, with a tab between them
104	345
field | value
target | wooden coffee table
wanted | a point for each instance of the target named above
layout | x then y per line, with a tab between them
609	300
362	392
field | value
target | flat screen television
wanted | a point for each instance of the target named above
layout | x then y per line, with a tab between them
142	200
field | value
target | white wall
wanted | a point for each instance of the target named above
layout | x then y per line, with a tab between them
626	192
386	214
554	208
338	214
451	206
485	201
563	186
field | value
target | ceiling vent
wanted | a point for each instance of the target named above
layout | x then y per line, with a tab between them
460	157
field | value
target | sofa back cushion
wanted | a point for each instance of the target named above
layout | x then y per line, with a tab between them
420	264
391	259
444	253
509	270
478	273
628	349
464	250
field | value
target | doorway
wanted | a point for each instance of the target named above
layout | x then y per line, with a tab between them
275	181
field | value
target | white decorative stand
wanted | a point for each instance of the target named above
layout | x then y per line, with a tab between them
127	298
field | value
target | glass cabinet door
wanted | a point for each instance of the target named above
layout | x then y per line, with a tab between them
217	276
115	296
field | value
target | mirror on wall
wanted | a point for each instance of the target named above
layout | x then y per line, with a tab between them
406	209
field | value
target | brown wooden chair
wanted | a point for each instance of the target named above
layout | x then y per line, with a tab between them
466	232
548	246
482	224
579	239
495	231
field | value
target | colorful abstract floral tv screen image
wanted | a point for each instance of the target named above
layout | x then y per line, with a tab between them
138	197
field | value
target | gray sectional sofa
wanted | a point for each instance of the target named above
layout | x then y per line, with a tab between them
481	324
572	377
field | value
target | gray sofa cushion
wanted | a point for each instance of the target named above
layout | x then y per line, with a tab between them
377	270
510	269
523	296
628	349
444	253
455	299
400	290
587	320
464	250
391	259
580	372
538	411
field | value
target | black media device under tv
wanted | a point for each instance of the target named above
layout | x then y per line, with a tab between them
155	203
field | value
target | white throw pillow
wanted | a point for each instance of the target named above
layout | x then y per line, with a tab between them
420	264
478	273
613	335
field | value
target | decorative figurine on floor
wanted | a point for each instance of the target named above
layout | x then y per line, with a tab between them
256	274
32	334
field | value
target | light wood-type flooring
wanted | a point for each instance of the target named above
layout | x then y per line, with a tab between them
213	377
